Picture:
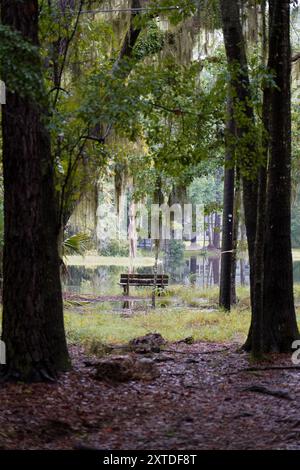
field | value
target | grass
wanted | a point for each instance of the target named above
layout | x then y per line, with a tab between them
172	324
97	324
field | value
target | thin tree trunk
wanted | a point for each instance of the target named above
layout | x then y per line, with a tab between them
158	199
32	325
236	220
217	221
217	230
227	225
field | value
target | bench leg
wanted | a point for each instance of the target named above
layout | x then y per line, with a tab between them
126	289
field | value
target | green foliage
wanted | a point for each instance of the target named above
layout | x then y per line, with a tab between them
249	143
178	9
174	257
76	244
150	42
176	251
209	14
115	248
20	65
206	190
168	119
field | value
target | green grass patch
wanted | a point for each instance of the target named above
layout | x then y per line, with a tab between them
173	324
97	325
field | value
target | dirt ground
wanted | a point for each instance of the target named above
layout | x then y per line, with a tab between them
205	398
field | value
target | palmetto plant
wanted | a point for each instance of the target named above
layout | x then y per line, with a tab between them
76	244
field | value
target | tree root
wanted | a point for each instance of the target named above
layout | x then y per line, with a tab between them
267	391
36	375
254	369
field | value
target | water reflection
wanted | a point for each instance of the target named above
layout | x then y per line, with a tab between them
197	270
205	271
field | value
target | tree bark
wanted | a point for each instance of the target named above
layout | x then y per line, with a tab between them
255	338
280	327
227	224
256	332
32	325
236	221
241	92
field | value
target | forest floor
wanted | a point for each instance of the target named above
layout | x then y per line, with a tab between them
205	398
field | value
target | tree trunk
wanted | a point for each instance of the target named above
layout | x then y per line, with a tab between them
280	327
254	341
33	328
241	92
217	230
227	225
235	234
255	337
217	221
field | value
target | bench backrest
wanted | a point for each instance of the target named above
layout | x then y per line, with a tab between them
144	279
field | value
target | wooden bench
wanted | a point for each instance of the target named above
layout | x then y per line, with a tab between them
143	280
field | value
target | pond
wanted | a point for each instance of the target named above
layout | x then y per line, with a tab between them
197	270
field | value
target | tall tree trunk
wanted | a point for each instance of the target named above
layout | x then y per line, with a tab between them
280	327
157	199
33	328
255	337
235	234
241	92
228	204
217	221
217	230
254	341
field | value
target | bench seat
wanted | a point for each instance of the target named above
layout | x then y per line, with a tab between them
143	280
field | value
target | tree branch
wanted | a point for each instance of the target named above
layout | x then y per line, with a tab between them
69	40
295	57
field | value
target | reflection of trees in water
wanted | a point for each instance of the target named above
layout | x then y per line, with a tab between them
242	272
215	268
193	270
208	269
77	274
197	270
101	279
174	264
205	271
144	269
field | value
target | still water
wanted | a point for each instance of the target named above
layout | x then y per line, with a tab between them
196	270
199	271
